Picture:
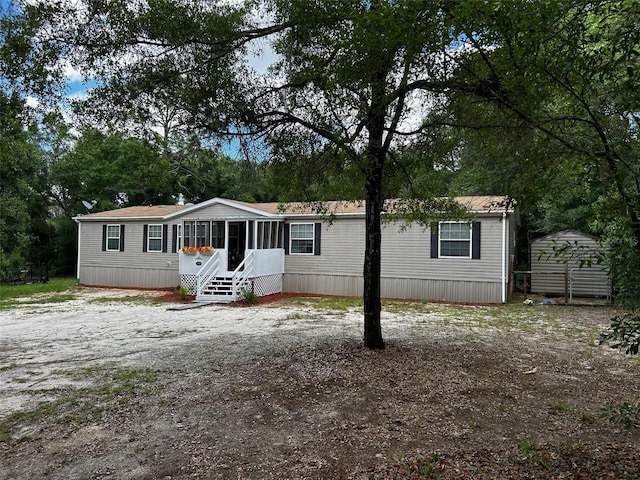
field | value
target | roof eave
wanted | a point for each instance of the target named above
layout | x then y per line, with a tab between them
85	218
228	203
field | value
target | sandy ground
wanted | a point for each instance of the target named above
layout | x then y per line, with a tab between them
273	391
37	341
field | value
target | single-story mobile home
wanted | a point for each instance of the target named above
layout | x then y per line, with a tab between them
219	247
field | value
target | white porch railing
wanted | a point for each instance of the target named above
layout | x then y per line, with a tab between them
191	264
210	269
214	282
268	261
243	273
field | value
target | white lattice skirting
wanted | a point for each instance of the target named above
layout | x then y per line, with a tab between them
189	281
267	285
261	286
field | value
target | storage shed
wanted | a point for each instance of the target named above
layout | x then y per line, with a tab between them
560	262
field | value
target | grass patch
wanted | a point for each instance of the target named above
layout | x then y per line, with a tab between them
59	298
399	306
626	415
527	447
59	285
422	467
23	417
504	317
322	303
137	299
54	285
113	389
8	304
560	407
514	318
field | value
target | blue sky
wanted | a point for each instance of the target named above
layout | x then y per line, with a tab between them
4	5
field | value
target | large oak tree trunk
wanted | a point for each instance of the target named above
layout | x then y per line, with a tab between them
372	261
373	215
376	154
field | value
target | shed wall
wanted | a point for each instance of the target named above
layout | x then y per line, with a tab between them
548	272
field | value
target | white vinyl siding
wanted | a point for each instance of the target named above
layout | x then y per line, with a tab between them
455	240
408	271
154	238
113	238
217	211
396	287
342	251
302	238
129	268
408	268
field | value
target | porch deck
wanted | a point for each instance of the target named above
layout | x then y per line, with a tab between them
207	275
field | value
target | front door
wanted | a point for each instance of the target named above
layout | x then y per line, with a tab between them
237	244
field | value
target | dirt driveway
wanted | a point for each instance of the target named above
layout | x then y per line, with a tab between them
109	385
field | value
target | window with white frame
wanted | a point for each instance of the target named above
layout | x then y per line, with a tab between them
154	238
113	238
301	238
178	235
188	234
455	239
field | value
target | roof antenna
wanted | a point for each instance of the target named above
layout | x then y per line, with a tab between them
88	205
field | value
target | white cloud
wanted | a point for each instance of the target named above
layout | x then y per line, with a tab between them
71	73
32	102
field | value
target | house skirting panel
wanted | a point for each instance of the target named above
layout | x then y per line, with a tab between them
189	281
267	285
401	288
129	277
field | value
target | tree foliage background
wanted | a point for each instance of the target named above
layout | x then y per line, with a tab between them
566	97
